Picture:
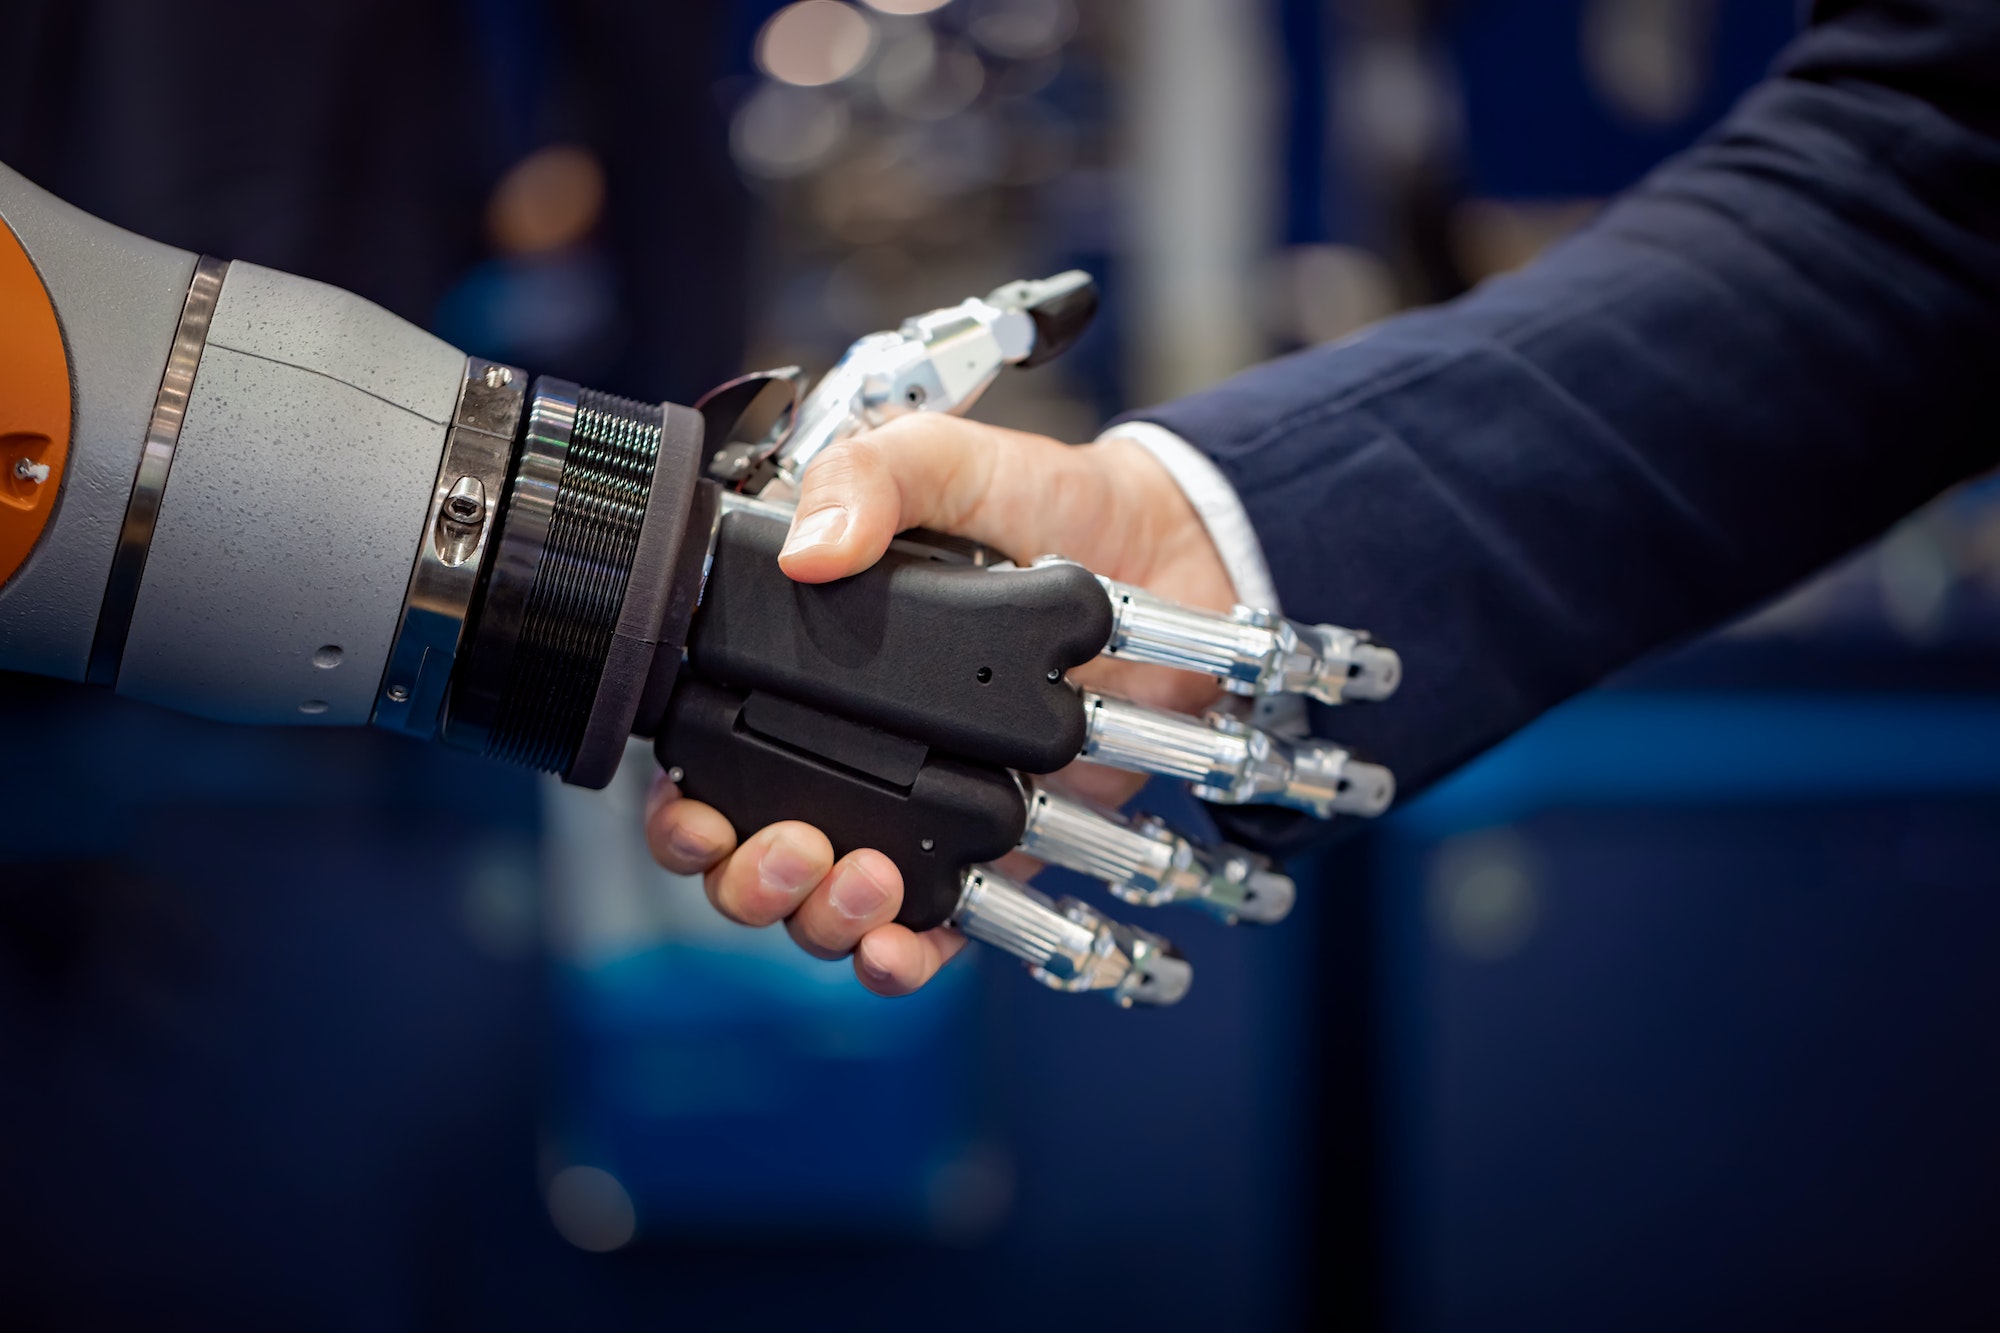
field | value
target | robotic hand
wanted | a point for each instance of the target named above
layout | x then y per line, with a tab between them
944	653
256	498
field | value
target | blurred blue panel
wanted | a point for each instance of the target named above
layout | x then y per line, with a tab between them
746	1094
1688	1013
263	1001
1303	47
1619	749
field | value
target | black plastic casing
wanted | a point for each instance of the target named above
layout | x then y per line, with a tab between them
761	758
963	659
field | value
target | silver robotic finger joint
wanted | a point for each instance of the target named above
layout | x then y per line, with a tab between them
941	361
1250	651
1147	864
1231	763
1067	945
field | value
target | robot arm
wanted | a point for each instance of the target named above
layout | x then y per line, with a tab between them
261	499
227	525
269	501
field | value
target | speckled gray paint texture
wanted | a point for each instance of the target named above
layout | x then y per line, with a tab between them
118	298
295	506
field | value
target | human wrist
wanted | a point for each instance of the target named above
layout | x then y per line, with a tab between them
1213	500
1161	524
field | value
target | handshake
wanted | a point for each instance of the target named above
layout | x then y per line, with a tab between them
909	704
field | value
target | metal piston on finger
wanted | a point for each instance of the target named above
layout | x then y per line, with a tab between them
1231	763
1145	863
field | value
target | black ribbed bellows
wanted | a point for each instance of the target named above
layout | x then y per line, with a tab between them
579	588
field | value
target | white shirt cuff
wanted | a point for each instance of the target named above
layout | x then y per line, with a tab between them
1214	500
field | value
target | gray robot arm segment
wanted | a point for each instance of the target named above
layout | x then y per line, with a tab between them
250	465
118	298
291	513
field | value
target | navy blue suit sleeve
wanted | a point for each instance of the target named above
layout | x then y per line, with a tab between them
1763	355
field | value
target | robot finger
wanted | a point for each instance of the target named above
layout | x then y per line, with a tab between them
1232	763
1250	651
1068	945
1147	864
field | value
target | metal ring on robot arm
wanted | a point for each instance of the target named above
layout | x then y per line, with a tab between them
276	502
283	512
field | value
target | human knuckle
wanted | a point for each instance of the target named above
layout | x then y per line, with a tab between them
814	936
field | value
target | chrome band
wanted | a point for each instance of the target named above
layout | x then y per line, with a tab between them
1230	763
1073	835
1067	945
1146	628
1147	864
142	511
995	910
1251	652
1139	739
458	529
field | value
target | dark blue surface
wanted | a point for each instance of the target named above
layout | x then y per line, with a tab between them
1537	127
268	1063
258	1071
1623	750
1742	1072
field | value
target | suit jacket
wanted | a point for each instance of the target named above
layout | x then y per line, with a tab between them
1779	343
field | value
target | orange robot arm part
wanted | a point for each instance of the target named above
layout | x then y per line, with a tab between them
34	406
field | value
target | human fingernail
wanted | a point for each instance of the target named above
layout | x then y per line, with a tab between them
787	868
822	527
871	966
692	845
857	894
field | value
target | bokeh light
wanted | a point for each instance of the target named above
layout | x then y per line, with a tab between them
1321	293
954	156
872	199
549	199
906	6
782	131
1485	894
1022	29
1648	59
929	79
815	42
591	1208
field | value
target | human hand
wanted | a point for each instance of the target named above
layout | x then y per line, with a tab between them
1111	506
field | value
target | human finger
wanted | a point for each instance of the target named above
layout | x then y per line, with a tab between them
864	890
770	874
933	471
895	960
685	836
